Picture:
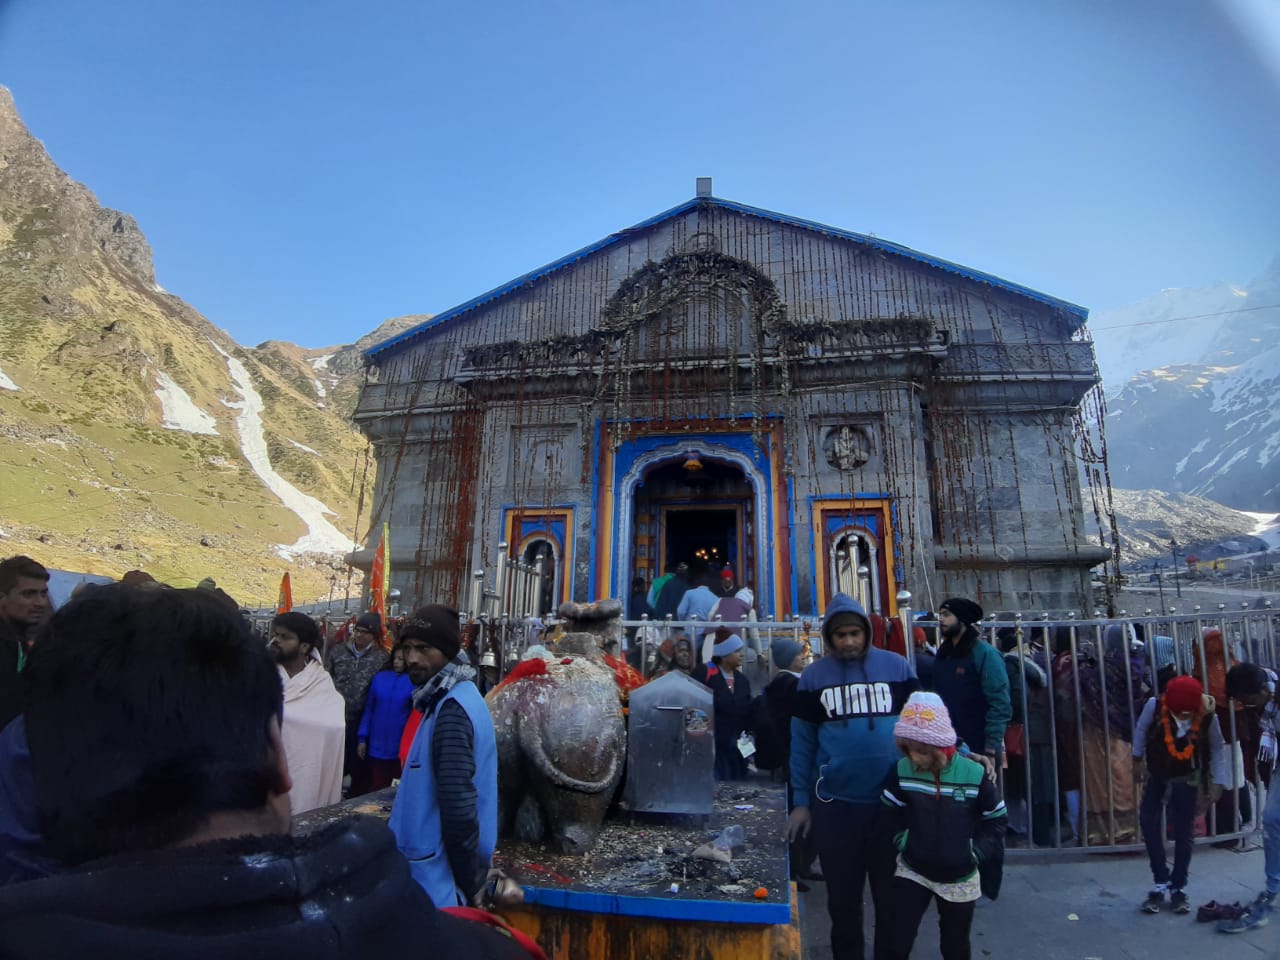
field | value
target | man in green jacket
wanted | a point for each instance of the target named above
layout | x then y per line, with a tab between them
970	676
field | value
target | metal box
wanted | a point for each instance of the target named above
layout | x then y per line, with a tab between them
670	747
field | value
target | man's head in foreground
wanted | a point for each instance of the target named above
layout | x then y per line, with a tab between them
154	721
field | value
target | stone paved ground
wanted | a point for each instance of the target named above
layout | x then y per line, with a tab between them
1032	918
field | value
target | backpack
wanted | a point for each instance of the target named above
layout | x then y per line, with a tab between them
771	751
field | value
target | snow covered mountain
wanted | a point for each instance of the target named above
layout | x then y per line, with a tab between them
1193	385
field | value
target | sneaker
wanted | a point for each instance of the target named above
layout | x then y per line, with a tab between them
1180	902
1257	914
1154	901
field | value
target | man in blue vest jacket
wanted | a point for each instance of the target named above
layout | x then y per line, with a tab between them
445	815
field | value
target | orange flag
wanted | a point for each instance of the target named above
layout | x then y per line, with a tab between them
379	578
285	603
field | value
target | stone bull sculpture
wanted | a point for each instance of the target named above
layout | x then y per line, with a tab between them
562	741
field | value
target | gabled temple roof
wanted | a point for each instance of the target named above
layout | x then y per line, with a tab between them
402	339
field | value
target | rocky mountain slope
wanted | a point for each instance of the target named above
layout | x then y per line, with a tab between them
139	435
1149	520
1194	403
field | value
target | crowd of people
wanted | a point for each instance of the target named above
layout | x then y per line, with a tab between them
149	740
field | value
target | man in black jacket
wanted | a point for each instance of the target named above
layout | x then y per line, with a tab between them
163	791
24	605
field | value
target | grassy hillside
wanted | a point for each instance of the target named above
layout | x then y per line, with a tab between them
91	478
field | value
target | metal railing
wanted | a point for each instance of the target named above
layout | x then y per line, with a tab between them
1081	692
1076	770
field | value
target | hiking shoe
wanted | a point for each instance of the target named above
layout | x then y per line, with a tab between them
1154	901
1179	902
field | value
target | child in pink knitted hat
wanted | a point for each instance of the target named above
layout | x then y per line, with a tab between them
947	820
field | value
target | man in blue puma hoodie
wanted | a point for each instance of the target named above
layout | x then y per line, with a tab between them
842	748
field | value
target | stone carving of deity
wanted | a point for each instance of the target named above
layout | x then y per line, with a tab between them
847	447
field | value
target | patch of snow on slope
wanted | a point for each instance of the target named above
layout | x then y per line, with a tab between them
319	389
1272	445
178	411
1268	527
322	536
6	383
1182	464
321	363
1235	458
303	446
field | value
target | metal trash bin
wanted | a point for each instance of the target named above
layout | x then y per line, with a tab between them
670	747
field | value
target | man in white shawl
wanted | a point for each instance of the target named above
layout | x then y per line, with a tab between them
314	728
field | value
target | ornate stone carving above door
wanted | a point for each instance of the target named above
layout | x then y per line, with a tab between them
847	447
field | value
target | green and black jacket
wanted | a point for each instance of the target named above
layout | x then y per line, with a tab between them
945	825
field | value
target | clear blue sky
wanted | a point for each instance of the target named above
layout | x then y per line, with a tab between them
306	169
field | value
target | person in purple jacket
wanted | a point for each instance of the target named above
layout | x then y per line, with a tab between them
382	723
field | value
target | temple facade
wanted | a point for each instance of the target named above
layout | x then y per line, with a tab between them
820	410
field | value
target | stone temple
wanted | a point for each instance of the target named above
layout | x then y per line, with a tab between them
820	409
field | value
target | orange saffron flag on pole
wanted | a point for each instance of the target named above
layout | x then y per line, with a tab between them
379	578
285	603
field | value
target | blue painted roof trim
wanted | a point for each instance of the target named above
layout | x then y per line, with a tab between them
662	908
1079	312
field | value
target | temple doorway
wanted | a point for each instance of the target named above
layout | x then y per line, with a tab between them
695	510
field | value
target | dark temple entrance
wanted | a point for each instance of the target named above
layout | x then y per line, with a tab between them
697	511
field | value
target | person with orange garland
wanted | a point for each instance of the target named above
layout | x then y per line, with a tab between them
1179	739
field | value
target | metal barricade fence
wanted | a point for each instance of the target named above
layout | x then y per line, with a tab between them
1074	784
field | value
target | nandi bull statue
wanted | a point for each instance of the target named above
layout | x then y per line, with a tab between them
562	742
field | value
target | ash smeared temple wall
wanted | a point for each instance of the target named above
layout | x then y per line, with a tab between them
843	392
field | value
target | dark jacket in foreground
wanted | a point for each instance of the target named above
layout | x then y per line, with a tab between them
948	824
344	892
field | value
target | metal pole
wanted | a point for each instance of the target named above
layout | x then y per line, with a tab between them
537	588
477	593
1173	544
500	581
904	613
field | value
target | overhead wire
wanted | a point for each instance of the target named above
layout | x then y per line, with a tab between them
1189	316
